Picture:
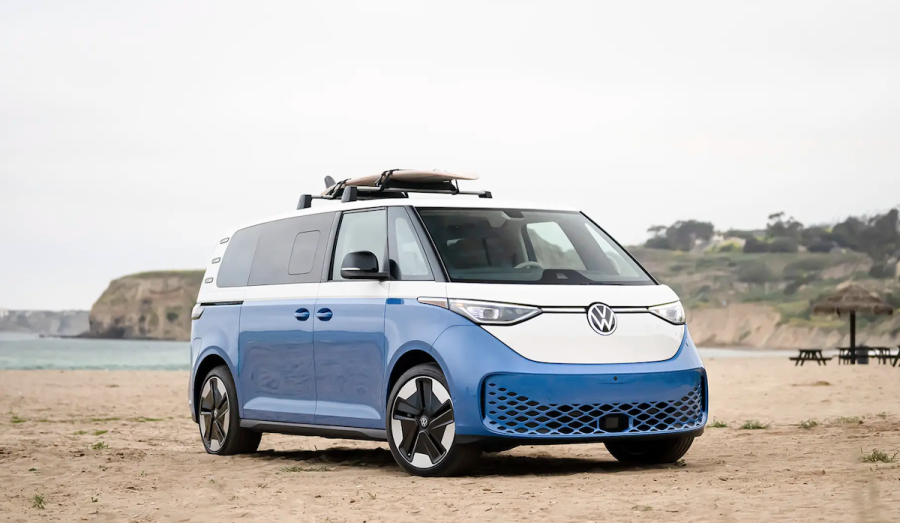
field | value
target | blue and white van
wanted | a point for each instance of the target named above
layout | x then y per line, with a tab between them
446	326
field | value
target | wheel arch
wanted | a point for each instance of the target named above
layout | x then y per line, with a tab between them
406	361
206	363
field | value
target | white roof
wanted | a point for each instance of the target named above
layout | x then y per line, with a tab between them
459	201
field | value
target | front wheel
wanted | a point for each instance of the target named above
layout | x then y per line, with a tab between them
220	425
421	425
650	452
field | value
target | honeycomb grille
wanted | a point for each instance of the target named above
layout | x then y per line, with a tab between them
512	412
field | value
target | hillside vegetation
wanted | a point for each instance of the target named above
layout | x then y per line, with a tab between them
755	287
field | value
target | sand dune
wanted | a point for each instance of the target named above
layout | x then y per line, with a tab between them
154	468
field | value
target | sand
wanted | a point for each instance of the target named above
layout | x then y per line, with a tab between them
153	467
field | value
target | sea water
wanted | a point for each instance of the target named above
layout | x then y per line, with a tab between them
28	351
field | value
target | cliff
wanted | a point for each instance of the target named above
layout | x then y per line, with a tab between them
49	323
148	305
732	299
763	300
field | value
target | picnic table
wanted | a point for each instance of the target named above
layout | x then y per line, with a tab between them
883	354
852	355
810	355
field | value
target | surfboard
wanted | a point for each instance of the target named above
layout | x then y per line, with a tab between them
410	176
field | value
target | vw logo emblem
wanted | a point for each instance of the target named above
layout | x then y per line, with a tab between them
602	319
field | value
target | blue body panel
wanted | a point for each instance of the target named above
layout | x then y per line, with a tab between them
343	364
349	348
468	354
276	367
214	333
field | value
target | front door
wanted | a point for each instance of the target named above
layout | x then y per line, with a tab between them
349	329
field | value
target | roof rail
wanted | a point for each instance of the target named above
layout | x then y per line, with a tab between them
385	188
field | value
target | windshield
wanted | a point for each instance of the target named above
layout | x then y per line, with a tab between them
522	246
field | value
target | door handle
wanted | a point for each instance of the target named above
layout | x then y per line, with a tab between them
324	314
302	314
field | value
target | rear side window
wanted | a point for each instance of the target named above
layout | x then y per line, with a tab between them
290	250
235	268
303	253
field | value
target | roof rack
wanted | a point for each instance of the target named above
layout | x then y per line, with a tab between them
384	188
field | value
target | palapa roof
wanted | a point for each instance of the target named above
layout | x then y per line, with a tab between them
853	298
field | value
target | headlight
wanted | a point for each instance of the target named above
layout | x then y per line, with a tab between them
671	312
488	313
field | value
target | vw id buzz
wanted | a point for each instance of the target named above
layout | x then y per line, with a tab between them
447	326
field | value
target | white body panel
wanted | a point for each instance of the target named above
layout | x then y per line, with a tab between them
567	338
556	336
288	291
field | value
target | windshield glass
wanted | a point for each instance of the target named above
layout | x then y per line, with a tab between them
522	246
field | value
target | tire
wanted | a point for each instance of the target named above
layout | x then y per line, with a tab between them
421	427
650	452
217	416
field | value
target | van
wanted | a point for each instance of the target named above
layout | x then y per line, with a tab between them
446	326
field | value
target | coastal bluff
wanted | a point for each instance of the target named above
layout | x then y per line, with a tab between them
149	305
733	299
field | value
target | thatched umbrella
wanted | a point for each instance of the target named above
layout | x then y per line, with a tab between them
850	300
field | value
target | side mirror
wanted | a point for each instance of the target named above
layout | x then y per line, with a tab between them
361	265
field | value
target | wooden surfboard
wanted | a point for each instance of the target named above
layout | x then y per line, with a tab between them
409	175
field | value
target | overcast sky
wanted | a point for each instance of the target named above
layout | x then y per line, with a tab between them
132	135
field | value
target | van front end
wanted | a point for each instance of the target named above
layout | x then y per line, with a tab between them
501	396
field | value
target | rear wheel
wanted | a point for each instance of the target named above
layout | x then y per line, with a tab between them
421	425
650	452
220	426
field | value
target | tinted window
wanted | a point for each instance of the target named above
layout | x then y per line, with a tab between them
360	231
408	260
524	246
303	253
289	250
235	268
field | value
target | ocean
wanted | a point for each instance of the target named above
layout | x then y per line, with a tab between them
28	351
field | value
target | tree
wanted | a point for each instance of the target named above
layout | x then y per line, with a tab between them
683	235
778	227
751	244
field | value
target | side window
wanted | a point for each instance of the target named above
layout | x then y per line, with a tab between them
407	257
289	250
360	231
552	248
235	269
303	253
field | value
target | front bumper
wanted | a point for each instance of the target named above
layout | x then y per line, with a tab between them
499	394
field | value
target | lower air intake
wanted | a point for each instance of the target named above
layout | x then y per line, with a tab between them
513	412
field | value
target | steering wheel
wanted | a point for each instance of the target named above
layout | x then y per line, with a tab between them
529	265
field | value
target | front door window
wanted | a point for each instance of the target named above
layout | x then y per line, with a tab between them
360	231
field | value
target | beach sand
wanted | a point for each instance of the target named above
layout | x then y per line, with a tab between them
153	466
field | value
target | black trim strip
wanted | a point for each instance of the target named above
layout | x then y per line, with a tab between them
215	303
322	431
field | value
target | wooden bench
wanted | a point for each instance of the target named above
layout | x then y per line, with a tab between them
810	355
